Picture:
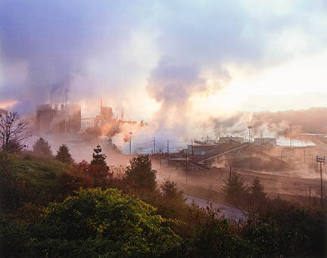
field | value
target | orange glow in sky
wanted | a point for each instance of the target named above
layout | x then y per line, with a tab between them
7	104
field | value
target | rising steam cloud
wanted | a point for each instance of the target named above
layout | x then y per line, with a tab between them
130	52
46	45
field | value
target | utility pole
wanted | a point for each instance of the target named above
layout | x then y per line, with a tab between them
309	196
130	143
186	166
321	161
168	147
154	145
290	135
250	128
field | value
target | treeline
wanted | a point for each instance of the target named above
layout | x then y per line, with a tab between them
308	120
52	206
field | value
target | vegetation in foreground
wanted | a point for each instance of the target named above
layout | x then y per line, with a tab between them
54	207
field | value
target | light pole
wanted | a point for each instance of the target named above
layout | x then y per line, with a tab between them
321	161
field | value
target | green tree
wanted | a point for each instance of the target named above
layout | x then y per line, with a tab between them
102	223
235	191
170	191
99	158
98	170
257	190
256	198
42	147
140	173
63	155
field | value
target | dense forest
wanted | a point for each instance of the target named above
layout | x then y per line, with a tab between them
52	206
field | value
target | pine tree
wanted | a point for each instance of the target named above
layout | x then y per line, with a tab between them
170	191
99	158
235	190
257	190
257	197
98	170
42	147
63	155
140	173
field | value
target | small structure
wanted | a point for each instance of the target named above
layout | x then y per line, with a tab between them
231	139
200	149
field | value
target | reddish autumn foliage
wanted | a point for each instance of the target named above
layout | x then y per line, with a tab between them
85	175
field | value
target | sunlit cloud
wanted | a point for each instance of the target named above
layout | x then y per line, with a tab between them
7	104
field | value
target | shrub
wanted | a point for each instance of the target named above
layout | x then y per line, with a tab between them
102	223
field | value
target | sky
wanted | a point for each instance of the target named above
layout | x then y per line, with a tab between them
168	61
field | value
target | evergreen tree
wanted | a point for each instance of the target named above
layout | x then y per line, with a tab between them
140	173
169	190
257	190
42	147
99	159
257	197
235	190
63	155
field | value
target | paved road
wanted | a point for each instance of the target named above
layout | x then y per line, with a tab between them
226	211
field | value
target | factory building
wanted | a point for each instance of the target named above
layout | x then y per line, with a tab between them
44	117
58	118
106	116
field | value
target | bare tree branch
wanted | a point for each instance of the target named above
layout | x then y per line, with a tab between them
13	131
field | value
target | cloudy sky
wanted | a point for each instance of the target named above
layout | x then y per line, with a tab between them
169	57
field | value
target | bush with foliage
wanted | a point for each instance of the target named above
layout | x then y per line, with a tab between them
218	238
103	223
75	177
106	223
286	230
